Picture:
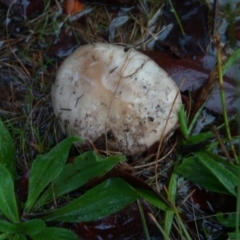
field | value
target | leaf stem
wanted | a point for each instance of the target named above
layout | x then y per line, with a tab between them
176	16
223	101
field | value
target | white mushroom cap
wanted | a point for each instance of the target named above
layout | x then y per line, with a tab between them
108	90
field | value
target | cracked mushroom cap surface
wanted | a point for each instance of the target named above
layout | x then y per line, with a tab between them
119	95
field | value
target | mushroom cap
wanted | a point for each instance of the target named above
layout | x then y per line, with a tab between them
104	90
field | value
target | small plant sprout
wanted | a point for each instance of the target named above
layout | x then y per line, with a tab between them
115	95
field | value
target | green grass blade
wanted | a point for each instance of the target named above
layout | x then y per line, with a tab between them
145	227
182	119
176	16
7	150
46	168
169	215
238	206
109	197
224	106
8	203
195	118
182	226
166	237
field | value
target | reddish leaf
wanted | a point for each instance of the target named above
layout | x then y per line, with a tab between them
194	73
126	224
73	6
193	16
213	202
66	42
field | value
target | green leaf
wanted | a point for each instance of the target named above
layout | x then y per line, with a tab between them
227	219
232	236
192	169
168	222
152	198
5	236
74	175
182	118
107	198
235	56
195	118
32	227
7	227
46	168
7	150
54	233
207	173
223	175
172	192
200	137
19	236
8	204
231	167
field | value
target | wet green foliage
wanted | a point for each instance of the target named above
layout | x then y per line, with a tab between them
207	169
203	167
51	178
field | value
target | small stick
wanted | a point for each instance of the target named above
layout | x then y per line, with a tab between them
214	129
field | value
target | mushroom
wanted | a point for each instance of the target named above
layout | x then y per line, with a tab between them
116	95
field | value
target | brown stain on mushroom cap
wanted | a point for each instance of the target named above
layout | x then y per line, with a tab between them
108	91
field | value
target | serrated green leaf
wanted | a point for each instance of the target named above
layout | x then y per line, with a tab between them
7	150
74	175
46	168
54	233
32	227
107	198
8	204
7	227
207	173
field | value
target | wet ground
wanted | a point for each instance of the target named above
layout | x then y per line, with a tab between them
36	36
